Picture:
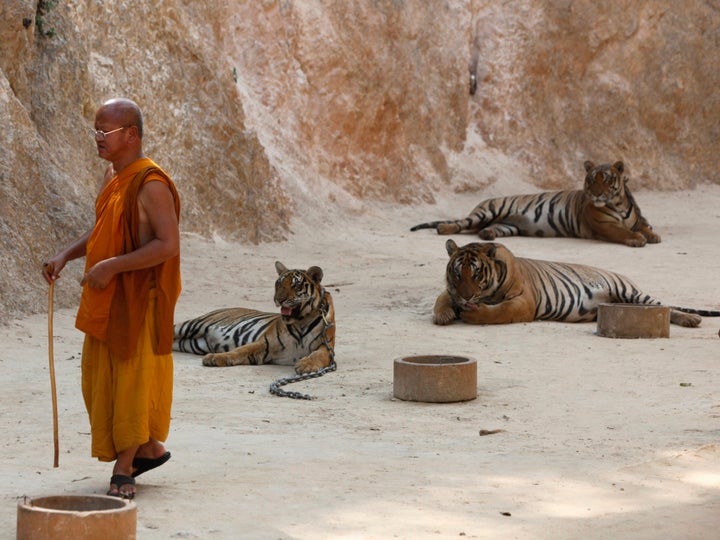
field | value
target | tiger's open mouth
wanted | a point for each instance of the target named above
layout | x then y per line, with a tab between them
288	311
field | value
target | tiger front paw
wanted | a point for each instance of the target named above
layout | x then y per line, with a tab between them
315	361
214	360
444	317
487	234
638	240
652	238
308	365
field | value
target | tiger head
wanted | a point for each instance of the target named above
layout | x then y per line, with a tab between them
298	293
476	273
604	184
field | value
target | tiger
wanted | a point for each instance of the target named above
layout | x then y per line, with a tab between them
487	284
604	209
302	334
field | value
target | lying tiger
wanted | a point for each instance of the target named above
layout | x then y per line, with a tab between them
302	334
603	210
487	284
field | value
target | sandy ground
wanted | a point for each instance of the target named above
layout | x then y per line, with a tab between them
602	438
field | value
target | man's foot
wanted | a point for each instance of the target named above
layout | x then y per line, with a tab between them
122	486
141	464
151	450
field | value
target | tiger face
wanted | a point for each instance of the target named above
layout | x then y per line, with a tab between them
482	287
604	184
473	273
298	292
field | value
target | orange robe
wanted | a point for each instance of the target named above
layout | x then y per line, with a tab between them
128	400
127	371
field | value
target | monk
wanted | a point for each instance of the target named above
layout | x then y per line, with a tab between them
129	290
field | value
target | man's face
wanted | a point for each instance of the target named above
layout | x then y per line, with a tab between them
113	139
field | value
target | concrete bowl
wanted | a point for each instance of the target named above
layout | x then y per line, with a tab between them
435	378
76	516
633	321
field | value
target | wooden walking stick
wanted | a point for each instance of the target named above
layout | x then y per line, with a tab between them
52	374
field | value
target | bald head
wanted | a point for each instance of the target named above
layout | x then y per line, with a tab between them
124	111
118	136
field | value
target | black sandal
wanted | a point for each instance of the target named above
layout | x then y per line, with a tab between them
121	480
142	465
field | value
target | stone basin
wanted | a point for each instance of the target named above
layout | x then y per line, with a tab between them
435	378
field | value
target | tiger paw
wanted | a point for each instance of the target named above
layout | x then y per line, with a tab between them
652	238
636	241
688	320
308	365
212	359
443	317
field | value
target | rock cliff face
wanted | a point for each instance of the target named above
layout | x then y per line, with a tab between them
267	111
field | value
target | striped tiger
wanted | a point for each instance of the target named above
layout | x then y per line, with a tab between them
604	209
302	334
487	284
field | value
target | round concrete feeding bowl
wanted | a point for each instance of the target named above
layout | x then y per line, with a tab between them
76	516
435	378
633	321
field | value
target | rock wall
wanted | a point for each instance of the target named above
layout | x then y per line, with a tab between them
264	112
562	81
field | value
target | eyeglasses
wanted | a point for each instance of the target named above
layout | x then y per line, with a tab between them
100	135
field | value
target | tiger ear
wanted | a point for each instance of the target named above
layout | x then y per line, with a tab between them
316	273
588	165
490	249
280	267
620	166
451	246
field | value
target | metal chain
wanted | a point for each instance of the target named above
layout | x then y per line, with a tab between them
332	366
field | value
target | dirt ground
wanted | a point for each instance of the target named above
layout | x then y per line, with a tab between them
602	438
